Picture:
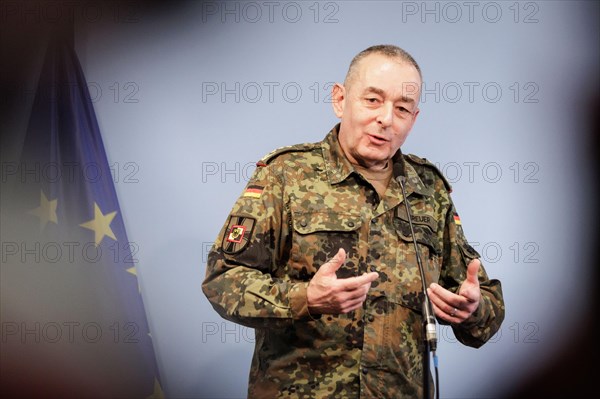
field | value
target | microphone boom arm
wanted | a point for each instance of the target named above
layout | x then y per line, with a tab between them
429	323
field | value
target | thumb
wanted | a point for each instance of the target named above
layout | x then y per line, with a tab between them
472	270
334	263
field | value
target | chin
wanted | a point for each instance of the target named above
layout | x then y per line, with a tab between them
374	160
376	156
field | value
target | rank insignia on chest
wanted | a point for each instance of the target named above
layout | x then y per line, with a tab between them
238	233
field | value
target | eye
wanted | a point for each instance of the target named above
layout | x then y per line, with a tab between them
372	100
403	111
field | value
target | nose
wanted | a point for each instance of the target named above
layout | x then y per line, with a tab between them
386	113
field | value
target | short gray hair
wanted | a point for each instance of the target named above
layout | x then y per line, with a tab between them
389	50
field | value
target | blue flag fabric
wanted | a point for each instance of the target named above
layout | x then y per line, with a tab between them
73	321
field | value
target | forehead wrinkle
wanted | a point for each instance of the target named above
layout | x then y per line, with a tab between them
381	92
375	90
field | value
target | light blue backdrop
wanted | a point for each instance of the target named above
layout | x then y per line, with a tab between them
189	96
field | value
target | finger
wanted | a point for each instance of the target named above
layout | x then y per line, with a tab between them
439	312
446	301
470	287
472	270
441	296
356	293
353	305
352	283
436	301
448	313
334	263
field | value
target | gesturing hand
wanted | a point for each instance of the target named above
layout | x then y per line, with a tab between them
328	294
456	308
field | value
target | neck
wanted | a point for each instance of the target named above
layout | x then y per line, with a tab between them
378	166
378	177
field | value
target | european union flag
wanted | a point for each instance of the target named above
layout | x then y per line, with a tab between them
73	321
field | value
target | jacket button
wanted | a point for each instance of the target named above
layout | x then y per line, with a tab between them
303	223
365	371
350	224
370	318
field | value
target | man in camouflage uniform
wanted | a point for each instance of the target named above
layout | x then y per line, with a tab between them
318	257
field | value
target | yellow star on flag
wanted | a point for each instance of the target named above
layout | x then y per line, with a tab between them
157	392
100	224
46	211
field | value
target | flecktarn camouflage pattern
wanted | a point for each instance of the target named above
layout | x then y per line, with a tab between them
301	205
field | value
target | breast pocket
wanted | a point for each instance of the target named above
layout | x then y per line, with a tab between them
317	236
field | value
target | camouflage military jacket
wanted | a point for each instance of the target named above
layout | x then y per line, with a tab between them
301	205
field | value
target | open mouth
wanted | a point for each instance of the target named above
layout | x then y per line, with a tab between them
379	140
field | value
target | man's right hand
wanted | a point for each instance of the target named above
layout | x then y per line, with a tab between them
327	294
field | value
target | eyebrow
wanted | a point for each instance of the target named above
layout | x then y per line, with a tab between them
377	90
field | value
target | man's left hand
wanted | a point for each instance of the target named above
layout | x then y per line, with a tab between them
456	308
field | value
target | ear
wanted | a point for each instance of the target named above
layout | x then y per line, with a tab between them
338	99
415	114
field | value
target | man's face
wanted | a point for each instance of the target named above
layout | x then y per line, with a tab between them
378	107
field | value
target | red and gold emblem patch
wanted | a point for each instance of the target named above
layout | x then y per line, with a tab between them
238	234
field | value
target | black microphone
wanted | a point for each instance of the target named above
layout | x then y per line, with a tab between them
428	315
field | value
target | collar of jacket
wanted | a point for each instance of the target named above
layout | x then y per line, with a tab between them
339	168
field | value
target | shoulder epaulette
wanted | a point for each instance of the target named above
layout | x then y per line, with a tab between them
264	161
425	163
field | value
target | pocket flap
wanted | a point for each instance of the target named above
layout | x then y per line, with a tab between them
311	222
412	300
423	234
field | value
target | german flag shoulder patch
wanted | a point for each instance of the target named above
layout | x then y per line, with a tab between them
457	219
253	191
